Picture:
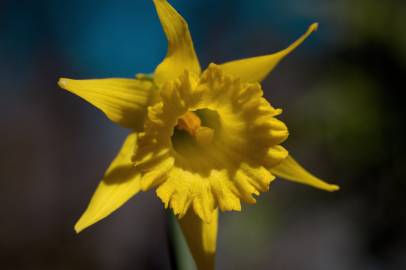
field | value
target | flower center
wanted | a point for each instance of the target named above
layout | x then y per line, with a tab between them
195	130
191	123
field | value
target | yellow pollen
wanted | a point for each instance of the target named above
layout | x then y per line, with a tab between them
192	124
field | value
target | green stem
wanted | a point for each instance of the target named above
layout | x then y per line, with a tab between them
180	256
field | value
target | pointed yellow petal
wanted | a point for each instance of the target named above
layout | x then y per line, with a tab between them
289	169
201	238
121	182
124	101
255	69
181	53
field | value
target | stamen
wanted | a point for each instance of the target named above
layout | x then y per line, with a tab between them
204	136
191	123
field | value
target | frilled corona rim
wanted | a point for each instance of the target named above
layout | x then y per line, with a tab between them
234	166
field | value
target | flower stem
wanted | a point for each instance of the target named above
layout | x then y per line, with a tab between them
179	253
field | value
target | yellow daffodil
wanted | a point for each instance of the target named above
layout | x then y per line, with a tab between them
205	140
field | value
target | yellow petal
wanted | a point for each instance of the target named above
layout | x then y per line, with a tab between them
124	101
289	169
121	181
181	53
255	69
201	238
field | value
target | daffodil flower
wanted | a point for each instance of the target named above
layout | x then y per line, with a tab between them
205	140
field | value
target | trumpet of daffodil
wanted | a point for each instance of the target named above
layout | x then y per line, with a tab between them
204	140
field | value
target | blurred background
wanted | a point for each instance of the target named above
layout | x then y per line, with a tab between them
343	101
